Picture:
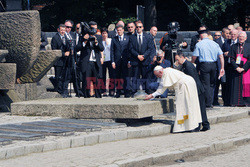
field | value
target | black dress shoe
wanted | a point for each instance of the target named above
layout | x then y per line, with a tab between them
205	129
196	129
216	103
117	96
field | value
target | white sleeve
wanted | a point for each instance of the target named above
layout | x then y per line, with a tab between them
160	89
83	44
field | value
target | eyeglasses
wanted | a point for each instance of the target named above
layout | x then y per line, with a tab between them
68	27
138	26
129	27
77	28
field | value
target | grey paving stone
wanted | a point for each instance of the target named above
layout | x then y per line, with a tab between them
87	122
20	135
35	129
78	128
5	141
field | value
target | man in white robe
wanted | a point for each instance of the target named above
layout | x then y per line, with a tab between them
188	115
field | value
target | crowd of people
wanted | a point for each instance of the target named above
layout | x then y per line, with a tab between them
130	59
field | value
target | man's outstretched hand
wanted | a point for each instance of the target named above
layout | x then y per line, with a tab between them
147	97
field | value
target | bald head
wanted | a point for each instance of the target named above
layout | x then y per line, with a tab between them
234	34
120	23
153	31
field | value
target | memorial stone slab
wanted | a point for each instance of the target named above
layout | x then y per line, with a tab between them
7	76
89	108
35	129
41	66
20	34
20	135
78	128
26	91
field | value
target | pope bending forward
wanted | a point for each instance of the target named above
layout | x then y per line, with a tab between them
188	115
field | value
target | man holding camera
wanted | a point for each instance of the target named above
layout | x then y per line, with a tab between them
172	41
152	79
91	47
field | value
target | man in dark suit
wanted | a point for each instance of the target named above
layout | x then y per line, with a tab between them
141	49
221	40
119	57
153	33
59	42
90	46
189	69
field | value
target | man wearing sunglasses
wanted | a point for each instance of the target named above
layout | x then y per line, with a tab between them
141	48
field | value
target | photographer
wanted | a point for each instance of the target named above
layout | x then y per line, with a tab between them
152	79
91	47
172	41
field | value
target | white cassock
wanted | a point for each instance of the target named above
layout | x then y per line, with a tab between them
188	115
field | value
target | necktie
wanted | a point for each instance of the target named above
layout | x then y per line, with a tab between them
155	43
139	43
120	38
63	39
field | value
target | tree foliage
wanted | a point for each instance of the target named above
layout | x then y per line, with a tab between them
210	11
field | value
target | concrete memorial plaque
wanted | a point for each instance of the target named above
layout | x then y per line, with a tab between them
83	108
35	129
78	128
20	34
20	135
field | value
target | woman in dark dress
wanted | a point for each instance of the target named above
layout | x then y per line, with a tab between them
240	60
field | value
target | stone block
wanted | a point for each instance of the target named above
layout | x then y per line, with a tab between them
26	91
121	135
77	142
106	137
41	66
106	108
20	34
91	139
142	161
3	54
7	75
33	148
15	152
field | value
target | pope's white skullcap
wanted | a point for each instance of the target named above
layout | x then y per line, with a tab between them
158	68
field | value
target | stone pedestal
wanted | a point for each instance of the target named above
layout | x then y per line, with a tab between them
20	34
105	108
3	54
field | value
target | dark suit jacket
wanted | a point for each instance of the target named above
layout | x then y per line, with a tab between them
86	51
147	49
57	44
189	69
194	41
246	53
120	49
219	41
43	40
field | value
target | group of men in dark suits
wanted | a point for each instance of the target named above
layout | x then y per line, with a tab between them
131	53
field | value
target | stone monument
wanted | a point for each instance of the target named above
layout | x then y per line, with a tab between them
24	64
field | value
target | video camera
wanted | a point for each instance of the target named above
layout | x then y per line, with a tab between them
86	29
172	43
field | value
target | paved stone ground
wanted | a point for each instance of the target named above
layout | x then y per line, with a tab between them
239	156
112	152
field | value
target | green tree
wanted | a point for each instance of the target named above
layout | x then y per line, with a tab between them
210	11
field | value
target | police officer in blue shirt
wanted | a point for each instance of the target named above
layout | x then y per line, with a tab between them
208	52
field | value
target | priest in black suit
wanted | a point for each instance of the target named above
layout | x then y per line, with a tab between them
189	69
141	48
240	60
119	57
